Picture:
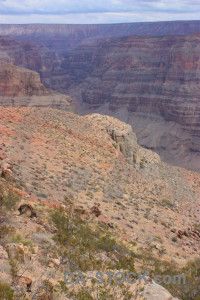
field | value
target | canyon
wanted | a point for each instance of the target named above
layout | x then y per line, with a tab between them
146	74
156	90
81	109
21	86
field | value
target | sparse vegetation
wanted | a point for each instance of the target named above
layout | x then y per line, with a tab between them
141	210
174	239
6	293
8	198
168	203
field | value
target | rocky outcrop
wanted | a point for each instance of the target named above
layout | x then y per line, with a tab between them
16	81
22	87
125	139
155	291
27	208
6	169
121	134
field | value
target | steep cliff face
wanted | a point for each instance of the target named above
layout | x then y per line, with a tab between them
22	87
125	139
20	53
149	77
16	81
147	74
34	56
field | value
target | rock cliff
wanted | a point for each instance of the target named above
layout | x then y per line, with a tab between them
22	87
16	81
140	78
125	139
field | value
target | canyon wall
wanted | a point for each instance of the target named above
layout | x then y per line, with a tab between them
140	78
57	35
22	87
17	81
150	81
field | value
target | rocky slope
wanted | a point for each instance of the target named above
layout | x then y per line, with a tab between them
22	87
139	208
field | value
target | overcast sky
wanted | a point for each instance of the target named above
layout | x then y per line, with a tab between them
97	11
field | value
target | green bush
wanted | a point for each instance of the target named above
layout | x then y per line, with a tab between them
81	242
168	203
6	293
174	239
8	199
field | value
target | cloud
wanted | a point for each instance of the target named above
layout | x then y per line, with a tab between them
117	10
91	6
95	18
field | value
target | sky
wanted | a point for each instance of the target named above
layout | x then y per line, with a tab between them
96	11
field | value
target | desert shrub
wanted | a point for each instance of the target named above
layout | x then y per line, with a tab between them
14	268
6	293
6	230
174	239
18	238
8	198
197	227
42	195
168	203
81	242
43	238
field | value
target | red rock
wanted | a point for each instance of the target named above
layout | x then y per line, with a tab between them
24	281
95	210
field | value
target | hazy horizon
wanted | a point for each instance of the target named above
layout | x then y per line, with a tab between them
98	12
164	21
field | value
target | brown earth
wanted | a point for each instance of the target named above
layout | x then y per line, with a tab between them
95	159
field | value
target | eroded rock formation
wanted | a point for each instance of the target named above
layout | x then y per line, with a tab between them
153	83
22	87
